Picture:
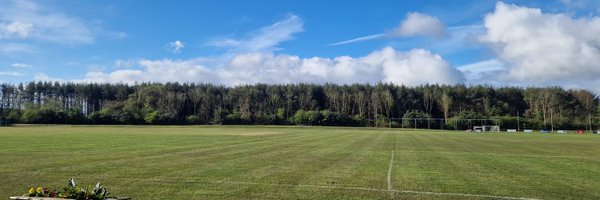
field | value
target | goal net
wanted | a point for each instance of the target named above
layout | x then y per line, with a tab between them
486	128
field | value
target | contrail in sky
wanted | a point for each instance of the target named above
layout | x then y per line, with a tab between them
360	39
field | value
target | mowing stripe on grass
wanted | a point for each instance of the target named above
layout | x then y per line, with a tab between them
494	154
389	175
463	195
339	188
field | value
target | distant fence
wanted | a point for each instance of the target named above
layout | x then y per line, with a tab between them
40	125
505	123
438	123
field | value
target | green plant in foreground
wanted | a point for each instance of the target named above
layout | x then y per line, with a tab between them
72	191
41	192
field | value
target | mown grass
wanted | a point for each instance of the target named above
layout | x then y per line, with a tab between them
254	162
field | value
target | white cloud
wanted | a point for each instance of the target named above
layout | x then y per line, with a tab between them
21	19
125	64
417	24
9	48
156	71
20	65
265	39
44	77
417	67
413	67
127	76
482	71
10	73
15	29
95	67
176	46
459	39
544	49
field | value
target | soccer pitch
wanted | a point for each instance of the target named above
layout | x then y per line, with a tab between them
274	162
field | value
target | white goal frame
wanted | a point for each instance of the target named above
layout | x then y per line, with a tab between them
486	128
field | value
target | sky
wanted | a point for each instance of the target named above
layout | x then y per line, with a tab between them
501	43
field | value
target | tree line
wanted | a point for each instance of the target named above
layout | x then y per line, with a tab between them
316	104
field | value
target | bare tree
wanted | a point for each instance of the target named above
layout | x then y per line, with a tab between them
388	101
361	102
305	98
487	109
428	100
345	102
375	105
274	100
548	99
196	95
333	98
587	101
445	102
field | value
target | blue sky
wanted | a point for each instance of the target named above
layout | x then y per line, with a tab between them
237	42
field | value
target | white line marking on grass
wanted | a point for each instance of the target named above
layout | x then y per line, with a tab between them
340	188
389	175
463	195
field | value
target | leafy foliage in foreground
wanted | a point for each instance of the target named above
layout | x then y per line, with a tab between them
72	191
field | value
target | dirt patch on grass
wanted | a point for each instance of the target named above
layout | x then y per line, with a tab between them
259	133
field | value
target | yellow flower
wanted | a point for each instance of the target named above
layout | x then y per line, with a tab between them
31	191
40	189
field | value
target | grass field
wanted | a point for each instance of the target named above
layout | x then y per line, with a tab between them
253	162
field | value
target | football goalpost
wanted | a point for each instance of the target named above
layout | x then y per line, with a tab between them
486	128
